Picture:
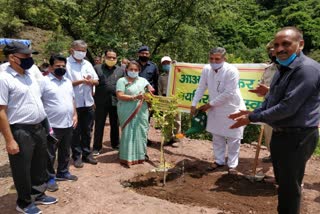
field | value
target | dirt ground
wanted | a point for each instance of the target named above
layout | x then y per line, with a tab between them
110	188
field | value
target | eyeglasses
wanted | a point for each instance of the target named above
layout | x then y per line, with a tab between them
111	57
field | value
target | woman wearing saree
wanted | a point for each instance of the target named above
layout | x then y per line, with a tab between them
133	115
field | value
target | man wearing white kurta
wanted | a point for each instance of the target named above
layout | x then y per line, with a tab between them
221	79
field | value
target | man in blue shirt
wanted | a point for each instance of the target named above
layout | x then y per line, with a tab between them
58	102
292	109
149	70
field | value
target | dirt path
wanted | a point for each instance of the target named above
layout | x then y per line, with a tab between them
99	188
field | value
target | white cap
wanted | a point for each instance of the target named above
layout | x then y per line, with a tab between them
166	58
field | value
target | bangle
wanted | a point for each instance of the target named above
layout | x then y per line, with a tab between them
133	98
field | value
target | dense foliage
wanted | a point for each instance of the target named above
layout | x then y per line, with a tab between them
185	30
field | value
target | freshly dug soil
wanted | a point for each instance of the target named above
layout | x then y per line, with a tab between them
200	187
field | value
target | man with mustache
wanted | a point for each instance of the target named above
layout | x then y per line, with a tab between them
292	109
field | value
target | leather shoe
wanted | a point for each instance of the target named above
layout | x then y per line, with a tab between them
78	163
89	159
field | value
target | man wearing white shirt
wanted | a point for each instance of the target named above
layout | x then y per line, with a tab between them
58	101
221	79
34	70
22	117
83	77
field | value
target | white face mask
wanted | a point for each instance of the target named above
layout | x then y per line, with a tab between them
133	74
216	66
79	55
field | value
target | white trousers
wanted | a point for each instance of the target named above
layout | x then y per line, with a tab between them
220	144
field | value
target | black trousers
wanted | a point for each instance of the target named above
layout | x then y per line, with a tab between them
102	111
290	152
82	133
29	165
64	135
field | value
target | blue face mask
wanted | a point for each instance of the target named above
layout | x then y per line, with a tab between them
287	62
166	68
133	74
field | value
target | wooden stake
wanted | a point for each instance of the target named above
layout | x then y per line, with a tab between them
258	151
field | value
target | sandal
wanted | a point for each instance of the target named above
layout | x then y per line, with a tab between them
214	166
232	171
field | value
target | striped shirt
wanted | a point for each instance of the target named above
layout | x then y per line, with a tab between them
78	71
21	94
57	98
34	70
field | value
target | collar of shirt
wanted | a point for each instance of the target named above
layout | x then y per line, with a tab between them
52	77
148	63
14	73
294	64
106	68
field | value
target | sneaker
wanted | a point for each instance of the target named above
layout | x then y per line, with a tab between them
52	185
45	200
90	159
78	163
66	177
31	209
95	153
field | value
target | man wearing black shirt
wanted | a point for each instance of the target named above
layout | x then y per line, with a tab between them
292	109
106	101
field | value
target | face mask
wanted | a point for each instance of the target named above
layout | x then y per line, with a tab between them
110	63
216	66
286	62
166	68
133	74
26	63
79	55
143	58
59	71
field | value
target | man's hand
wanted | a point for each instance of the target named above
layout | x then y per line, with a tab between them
261	90
75	121
193	111
204	107
12	147
240	121
235	115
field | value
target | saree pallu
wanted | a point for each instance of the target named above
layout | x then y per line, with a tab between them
134	135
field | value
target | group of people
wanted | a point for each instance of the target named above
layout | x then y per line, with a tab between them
40	115
291	111
54	112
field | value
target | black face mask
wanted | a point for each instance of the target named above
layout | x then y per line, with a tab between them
26	63
59	71
143	58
